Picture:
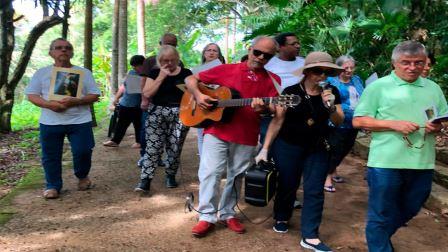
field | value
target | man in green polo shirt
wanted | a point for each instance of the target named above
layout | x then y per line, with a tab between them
397	109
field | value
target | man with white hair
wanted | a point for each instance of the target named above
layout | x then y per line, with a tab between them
398	109
230	145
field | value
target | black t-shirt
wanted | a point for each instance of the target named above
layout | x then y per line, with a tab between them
307	123
168	94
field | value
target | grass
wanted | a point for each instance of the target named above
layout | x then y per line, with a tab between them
25	115
32	180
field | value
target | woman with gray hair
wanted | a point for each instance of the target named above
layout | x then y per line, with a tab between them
342	138
163	127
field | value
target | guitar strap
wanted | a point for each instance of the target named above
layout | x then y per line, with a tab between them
276	85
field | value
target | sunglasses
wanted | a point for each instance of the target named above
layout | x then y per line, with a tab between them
411	145
320	71
258	53
68	48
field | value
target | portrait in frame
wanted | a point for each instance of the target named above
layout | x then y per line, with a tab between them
65	82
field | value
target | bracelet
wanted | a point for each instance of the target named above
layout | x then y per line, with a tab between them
332	109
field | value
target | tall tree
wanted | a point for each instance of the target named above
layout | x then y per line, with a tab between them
66	16
88	46
8	85
114	60
141	41
122	40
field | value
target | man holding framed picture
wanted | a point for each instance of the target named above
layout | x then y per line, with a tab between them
64	115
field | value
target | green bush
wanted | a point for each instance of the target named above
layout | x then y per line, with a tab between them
25	115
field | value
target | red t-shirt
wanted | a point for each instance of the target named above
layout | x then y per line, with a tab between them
244	126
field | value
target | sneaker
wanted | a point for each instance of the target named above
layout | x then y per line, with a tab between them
202	228
143	186
280	227
170	181
321	247
235	225
51	194
297	204
84	184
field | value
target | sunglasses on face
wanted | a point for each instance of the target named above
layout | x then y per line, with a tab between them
68	48
320	71
258	53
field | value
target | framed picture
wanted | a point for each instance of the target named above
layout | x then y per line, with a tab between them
65	82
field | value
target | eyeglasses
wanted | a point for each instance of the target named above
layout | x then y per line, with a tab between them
419	63
68	48
258	53
411	145
320	71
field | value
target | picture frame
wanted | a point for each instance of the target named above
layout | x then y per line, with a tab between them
65	82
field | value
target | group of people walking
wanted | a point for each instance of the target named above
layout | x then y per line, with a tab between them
307	141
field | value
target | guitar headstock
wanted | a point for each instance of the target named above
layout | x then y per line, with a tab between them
288	100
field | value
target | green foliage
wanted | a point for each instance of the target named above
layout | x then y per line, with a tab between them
367	30
25	115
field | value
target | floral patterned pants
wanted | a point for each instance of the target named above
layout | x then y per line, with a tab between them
163	129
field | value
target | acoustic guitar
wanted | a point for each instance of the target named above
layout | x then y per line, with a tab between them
192	115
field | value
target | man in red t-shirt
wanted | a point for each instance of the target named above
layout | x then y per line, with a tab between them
231	145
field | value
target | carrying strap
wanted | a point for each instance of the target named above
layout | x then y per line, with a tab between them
276	85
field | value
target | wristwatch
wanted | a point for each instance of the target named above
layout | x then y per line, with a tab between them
332	109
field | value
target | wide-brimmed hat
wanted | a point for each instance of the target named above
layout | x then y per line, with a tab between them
319	59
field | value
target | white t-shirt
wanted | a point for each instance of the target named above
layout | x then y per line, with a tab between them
284	70
40	85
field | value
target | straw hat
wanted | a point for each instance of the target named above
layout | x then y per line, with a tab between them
318	59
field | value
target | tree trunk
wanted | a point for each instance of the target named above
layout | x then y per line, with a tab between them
45	9
6	49
66	16
114	59
88	35
88	47
122	40
141	27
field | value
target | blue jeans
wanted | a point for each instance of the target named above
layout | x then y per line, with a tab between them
81	141
341	141
291	161
288	159
315	170
395	197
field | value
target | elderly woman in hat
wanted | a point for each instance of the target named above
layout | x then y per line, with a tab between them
301	145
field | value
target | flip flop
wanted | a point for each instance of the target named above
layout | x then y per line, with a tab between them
337	179
110	144
329	188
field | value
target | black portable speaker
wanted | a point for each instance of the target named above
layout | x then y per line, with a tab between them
260	183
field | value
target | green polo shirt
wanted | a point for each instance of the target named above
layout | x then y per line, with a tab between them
391	98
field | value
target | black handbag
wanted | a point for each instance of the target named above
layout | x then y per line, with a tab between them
260	183
113	122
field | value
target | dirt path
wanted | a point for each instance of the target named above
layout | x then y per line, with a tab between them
111	217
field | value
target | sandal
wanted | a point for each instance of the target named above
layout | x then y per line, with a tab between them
337	179
110	144
329	188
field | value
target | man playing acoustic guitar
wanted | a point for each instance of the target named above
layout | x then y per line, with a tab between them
231	145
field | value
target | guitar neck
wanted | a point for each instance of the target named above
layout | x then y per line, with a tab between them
244	102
